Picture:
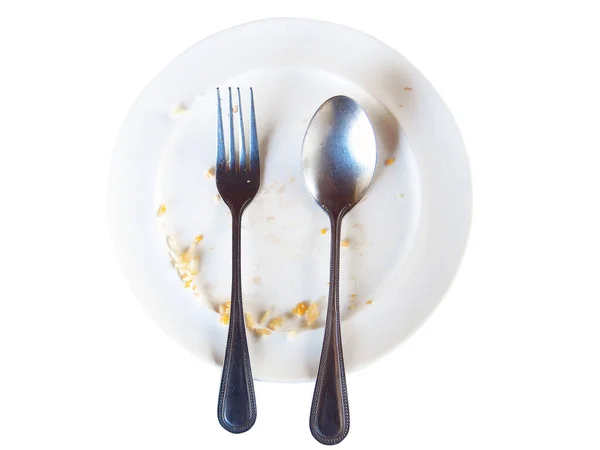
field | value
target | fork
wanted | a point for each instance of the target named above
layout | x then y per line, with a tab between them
238	179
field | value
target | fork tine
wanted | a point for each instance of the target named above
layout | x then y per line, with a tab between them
254	161
221	159
243	165
233	160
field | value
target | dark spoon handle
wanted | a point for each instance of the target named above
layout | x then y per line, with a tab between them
329	415
237	404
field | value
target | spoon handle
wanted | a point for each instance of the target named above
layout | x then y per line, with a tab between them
329	415
237	404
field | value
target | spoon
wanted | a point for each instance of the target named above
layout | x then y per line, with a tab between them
338	158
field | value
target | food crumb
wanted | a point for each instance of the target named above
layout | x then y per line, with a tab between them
400	195
263	319
408	88
217	198
224	311
345	243
190	254
369	302
162	209
312	313
250	321
300	309
210	248
275	323
292	333
257	280
262	331
270	219
353	296
352	306
198	238
180	109
234	109
390	161
210	173
172	244
323	230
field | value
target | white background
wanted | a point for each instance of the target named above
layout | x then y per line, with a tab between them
509	360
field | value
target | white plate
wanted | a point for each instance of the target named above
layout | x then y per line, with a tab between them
406	237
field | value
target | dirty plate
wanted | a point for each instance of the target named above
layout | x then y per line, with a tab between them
402	244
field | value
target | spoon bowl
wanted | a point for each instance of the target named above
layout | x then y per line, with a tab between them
339	154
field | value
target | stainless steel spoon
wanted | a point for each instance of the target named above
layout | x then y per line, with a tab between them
339	154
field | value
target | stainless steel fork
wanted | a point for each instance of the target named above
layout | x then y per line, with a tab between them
238	179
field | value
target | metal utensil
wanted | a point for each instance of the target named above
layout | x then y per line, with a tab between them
238	179
338	155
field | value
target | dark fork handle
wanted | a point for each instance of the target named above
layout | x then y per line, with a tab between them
237	404
329	415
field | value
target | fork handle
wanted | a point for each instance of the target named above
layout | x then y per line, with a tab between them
330	415
237	404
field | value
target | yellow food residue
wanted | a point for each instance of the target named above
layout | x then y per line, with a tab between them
250	321
390	161
224	311
186	262
264	317
179	109
408	88
312	313
369	302
323	230
262	331
189	256
345	243
275	323
210	173
198	238
162	209
300	309
259	330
